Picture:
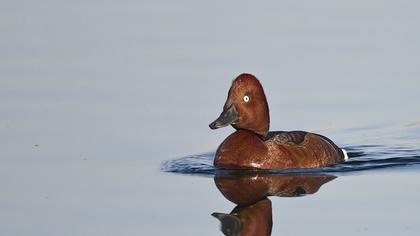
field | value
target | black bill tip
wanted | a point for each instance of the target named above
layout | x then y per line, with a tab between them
214	125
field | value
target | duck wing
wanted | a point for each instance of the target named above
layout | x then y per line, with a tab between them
283	137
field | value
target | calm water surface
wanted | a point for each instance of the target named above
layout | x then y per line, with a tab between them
105	107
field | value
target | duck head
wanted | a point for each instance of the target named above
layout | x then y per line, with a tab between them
246	107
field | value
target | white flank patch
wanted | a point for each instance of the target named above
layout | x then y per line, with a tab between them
346	157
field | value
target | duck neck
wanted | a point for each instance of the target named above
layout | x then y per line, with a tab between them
260	134
262	125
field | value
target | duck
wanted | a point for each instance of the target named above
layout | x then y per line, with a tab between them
253	146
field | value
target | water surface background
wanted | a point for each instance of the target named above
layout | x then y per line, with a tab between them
95	95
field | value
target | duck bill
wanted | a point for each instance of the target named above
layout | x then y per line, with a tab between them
219	215
231	224
229	116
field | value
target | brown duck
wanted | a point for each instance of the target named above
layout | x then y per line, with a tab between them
252	146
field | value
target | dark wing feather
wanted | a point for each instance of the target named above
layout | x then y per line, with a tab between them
283	137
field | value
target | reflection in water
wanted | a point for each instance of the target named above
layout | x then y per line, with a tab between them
253	213
254	219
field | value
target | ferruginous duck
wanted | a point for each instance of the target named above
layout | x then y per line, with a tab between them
252	146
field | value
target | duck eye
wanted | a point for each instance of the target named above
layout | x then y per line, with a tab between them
246	98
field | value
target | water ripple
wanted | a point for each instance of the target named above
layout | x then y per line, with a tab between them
361	158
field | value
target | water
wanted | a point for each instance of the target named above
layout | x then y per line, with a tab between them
96	95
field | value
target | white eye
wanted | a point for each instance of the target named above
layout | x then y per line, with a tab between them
246	98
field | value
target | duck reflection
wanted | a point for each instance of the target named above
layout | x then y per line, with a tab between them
253	213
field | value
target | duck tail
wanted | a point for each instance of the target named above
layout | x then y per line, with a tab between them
346	157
